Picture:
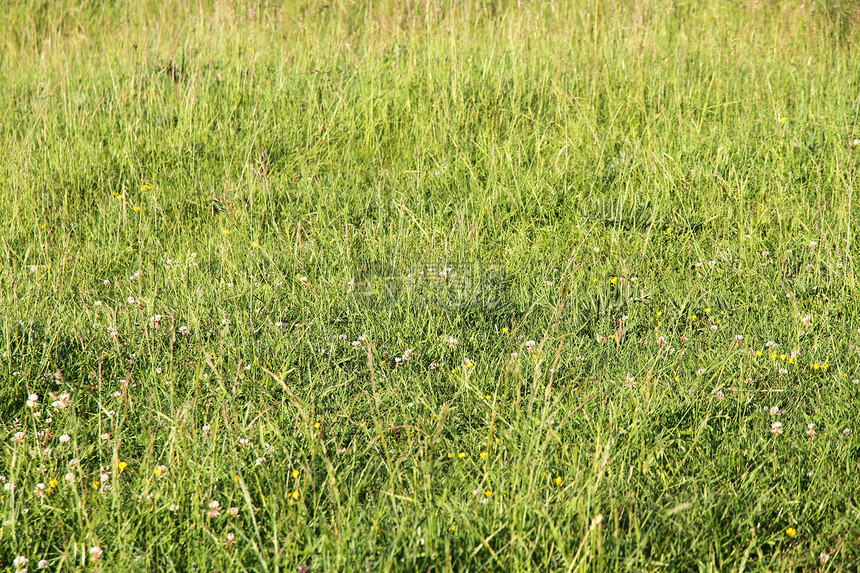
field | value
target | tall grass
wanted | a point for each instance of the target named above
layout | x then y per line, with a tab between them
225	233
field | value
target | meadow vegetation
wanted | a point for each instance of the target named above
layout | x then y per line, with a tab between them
416	285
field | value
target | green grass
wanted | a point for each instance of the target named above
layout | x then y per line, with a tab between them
611	180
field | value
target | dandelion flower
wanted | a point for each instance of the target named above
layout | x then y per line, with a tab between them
791	532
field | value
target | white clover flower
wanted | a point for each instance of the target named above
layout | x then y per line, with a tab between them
96	553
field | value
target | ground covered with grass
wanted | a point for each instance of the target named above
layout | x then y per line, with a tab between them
429	286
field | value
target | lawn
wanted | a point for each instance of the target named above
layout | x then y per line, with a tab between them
406	285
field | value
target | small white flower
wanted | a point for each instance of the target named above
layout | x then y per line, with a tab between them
131	300
69	477
33	401
260	461
95	553
64	439
776	428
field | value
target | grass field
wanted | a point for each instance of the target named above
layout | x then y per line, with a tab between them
429	286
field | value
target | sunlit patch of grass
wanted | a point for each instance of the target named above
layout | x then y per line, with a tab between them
428	286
